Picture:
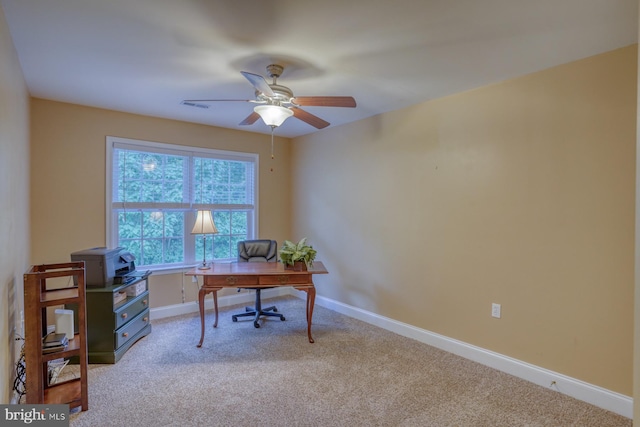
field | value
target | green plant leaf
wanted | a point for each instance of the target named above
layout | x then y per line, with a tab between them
291	252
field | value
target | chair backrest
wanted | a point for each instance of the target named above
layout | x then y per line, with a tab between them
257	251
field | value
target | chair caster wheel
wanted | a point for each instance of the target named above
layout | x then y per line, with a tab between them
256	325
275	310
282	318
234	318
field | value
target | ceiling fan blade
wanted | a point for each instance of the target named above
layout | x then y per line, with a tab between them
325	101
217	100
251	119
259	83
309	118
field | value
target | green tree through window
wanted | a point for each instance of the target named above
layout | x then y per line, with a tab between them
156	190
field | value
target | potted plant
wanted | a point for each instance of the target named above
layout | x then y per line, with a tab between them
297	256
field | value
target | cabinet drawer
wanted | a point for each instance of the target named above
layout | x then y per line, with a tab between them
232	280
129	330
286	279
131	309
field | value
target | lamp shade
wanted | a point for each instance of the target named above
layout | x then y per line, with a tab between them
204	224
273	115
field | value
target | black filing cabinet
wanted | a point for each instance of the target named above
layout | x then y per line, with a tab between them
117	317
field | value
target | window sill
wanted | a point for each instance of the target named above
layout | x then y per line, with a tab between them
159	271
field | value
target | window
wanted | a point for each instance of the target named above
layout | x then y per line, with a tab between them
154	191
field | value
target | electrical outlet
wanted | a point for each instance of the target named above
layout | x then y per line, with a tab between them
495	310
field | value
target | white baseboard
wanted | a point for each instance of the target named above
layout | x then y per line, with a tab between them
595	395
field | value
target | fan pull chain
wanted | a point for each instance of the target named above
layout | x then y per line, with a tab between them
272	157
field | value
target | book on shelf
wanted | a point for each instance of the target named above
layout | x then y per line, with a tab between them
54	342
47	350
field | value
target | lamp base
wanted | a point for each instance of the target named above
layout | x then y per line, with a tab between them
204	267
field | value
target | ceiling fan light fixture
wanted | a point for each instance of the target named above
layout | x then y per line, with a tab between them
273	115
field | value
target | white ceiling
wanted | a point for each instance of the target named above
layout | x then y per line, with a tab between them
146	56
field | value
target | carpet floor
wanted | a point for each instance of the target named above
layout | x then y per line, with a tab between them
355	374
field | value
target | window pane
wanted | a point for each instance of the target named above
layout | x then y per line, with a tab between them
174	173
233	228
220	194
237	173
154	189
132	191
234	243
203	172
225	243
151	252
239	223
152	224
173	251
151	191
220	171
222	220
224	182
133	246
153	237
148	177
222	249
151	166
128	163
174	224
129	225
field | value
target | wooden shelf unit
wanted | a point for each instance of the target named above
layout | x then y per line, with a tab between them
38	295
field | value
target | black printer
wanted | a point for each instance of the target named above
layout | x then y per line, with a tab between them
106	267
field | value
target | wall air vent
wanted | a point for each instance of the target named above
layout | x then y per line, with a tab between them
193	104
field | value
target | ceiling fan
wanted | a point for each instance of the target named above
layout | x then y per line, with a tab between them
276	103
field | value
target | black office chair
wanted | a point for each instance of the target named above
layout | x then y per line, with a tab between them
258	251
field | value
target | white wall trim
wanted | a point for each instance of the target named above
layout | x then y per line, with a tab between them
595	395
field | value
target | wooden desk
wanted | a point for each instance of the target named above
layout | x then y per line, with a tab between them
255	275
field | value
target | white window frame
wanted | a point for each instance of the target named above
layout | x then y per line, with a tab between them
158	147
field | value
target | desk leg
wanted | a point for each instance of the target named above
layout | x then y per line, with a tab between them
311	298
201	294
215	307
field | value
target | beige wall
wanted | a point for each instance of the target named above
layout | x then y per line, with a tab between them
636	336
68	178
521	193
14	203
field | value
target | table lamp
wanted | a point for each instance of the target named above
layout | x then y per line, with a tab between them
204	225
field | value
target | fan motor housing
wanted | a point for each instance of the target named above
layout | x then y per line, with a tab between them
282	94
